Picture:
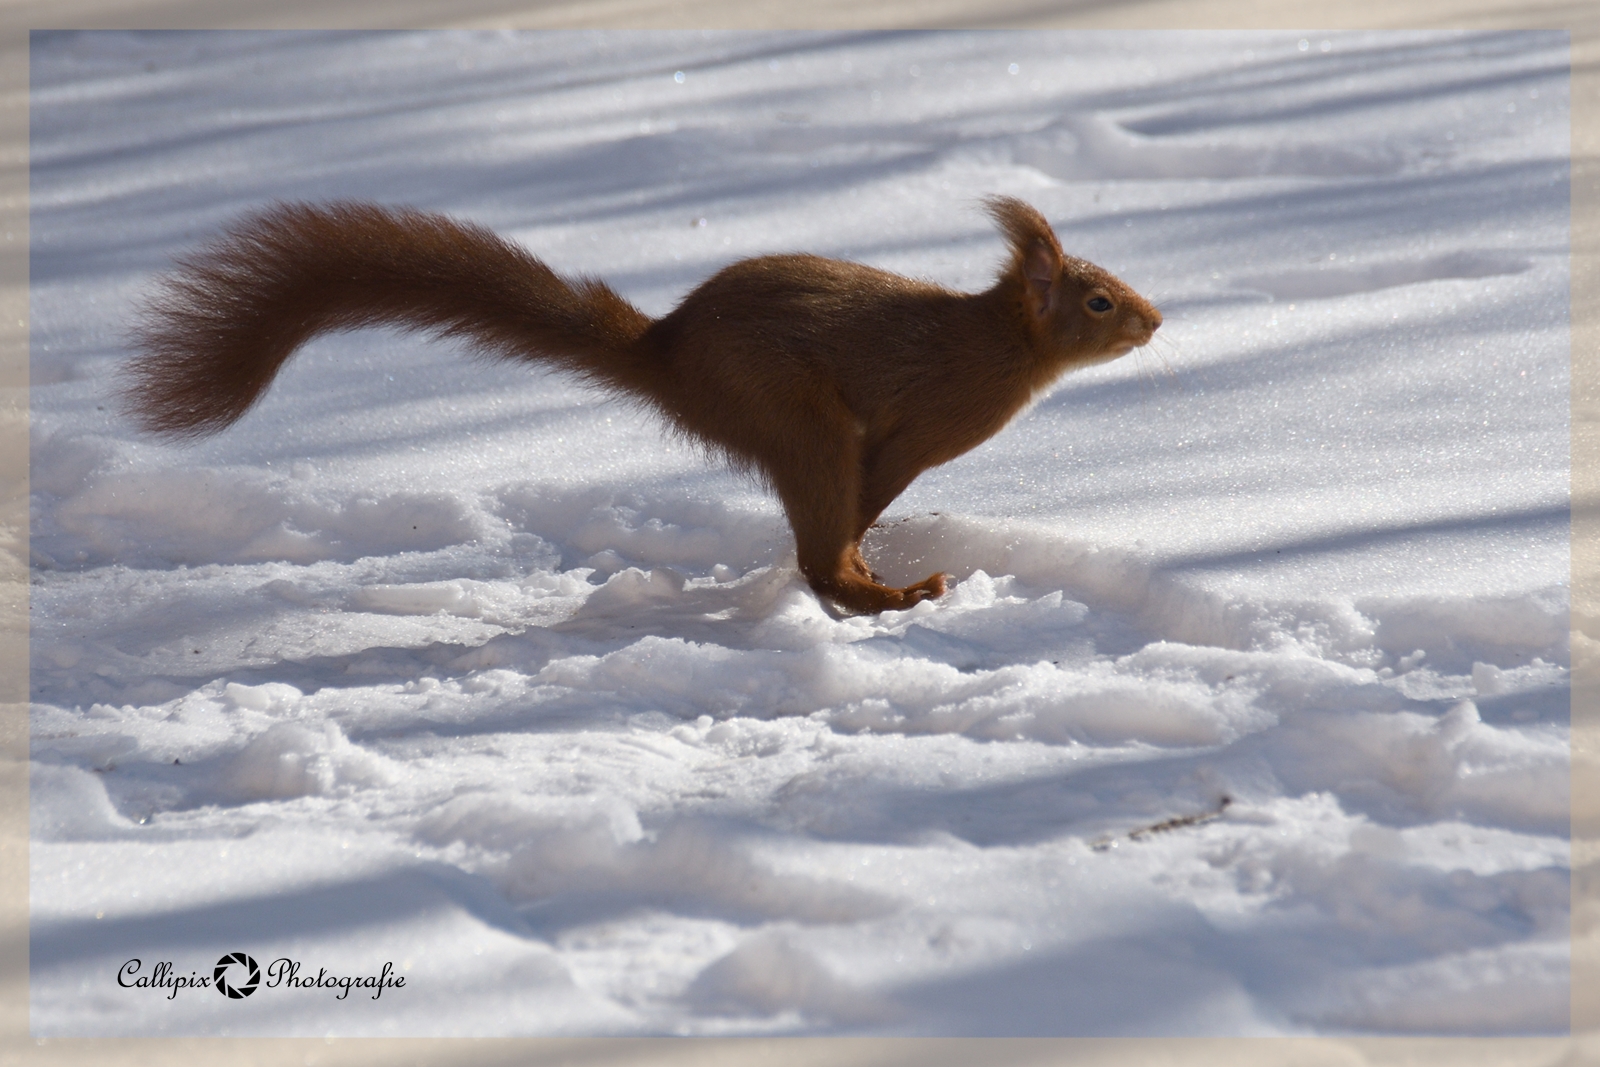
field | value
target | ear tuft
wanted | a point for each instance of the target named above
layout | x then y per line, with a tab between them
1021	224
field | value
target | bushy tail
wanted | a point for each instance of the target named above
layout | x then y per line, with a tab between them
233	313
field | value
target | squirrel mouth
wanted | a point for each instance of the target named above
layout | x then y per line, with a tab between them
1127	343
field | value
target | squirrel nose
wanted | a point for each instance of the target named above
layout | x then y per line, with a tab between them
1154	319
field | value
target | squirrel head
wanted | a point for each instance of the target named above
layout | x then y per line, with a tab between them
1076	312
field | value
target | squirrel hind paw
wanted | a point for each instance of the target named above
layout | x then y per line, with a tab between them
864	597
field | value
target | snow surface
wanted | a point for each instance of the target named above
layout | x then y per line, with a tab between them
473	671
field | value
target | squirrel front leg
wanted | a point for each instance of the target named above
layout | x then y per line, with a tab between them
887	468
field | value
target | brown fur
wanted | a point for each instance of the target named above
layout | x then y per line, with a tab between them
836	382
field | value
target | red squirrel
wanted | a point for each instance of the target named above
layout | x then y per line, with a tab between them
835	383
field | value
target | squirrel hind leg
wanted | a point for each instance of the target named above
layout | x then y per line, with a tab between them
817	473
833	566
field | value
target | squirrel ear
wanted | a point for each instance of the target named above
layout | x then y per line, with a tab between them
1034	250
1041	269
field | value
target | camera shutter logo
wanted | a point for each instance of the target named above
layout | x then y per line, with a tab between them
237	992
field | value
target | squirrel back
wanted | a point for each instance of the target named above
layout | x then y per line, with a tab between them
835	382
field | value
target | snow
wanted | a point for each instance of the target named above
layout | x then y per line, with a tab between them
1247	711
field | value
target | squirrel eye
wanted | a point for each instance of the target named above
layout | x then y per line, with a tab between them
1099	304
